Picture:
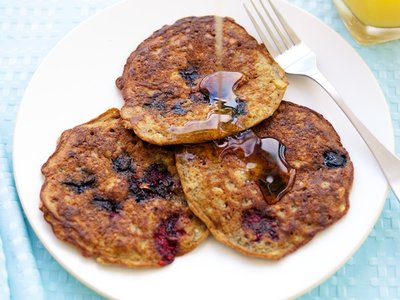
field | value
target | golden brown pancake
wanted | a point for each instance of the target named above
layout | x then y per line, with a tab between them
169	80
246	206
117	198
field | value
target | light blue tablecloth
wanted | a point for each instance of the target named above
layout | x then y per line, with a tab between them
28	30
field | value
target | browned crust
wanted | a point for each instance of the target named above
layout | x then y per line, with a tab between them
104	218
152	86
319	197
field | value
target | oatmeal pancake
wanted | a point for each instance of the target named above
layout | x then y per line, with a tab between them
117	198
269	190
181	86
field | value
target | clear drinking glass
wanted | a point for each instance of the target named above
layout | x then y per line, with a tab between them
371	21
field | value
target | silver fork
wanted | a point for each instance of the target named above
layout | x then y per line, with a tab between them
296	58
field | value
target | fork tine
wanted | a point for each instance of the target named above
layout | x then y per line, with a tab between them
286	42
291	34
278	44
264	39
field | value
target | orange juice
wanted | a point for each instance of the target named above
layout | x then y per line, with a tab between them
371	21
378	13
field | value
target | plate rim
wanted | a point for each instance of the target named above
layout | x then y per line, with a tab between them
70	269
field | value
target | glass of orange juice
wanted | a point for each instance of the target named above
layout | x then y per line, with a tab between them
371	21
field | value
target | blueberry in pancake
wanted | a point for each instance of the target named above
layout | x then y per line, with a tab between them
269	190
117	198
194	81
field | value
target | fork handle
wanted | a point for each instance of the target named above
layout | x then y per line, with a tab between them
388	162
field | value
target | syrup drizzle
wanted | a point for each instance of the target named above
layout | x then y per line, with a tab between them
219	88
219	39
212	122
265	162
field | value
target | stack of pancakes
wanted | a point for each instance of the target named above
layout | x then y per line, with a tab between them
139	186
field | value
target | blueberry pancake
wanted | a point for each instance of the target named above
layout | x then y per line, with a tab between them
269	190
117	198
194	81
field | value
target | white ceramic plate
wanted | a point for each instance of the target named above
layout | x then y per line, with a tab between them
76	83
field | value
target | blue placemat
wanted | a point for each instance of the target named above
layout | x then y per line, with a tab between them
28	31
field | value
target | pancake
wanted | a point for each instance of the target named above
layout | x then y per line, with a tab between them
179	87
117	198
264	206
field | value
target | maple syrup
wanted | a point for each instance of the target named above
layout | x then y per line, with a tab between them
219	89
265	162
212	122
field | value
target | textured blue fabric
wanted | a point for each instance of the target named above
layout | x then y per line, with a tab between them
4	290
18	264
29	29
